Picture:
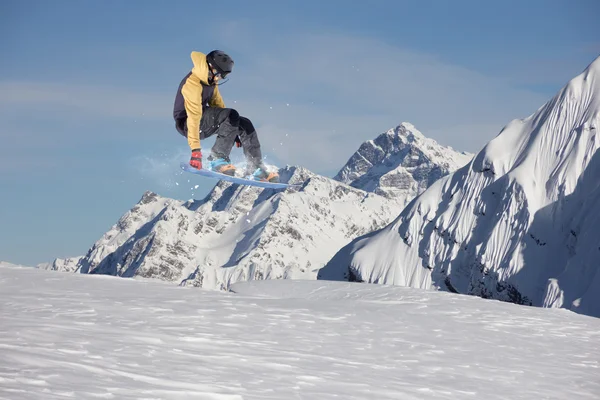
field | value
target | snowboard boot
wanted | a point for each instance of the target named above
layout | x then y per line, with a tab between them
261	174
221	165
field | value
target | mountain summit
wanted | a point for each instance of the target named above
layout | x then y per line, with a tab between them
240	233
520	222
400	163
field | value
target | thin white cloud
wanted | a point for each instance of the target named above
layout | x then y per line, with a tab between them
14	163
315	98
97	100
344	90
555	71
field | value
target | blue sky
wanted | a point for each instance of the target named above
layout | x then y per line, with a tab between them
87	87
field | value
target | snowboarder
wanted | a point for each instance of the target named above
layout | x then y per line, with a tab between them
200	112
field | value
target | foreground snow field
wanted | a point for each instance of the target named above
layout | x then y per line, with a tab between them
100	337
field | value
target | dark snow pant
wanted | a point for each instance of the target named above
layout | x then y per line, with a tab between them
227	124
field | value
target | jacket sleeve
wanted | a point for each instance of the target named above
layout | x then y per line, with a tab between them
192	96
217	100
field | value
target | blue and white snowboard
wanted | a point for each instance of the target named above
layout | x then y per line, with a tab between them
242	181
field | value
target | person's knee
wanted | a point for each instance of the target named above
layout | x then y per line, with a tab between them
232	116
246	125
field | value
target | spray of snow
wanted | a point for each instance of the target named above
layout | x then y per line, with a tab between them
159	169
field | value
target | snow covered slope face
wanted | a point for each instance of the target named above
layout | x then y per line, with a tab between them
61	264
239	233
400	164
520	223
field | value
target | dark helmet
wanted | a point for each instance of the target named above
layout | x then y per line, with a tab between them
221	61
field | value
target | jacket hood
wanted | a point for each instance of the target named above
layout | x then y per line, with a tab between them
200	69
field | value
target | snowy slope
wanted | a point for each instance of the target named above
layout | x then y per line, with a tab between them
400	164
7	264
520	223
242	233
238	233
83	337
62	264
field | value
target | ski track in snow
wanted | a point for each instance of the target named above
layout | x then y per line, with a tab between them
99	337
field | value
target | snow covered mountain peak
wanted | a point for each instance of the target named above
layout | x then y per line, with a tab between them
548	160
400	163
239	233
236	233
520	223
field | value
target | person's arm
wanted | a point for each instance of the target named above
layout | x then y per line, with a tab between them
192	95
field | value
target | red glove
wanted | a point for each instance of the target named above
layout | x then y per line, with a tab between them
238	142
196	160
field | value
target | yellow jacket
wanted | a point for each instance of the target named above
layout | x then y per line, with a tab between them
192	91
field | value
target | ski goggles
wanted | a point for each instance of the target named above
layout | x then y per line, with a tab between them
216	73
